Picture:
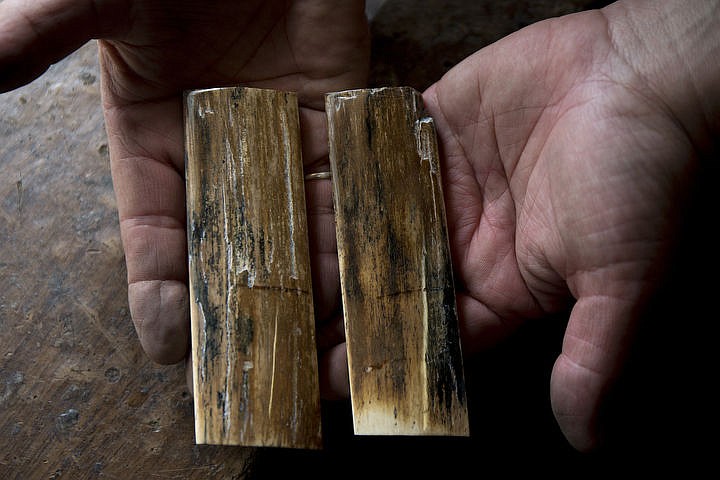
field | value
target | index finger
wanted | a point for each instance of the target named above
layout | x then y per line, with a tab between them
146	154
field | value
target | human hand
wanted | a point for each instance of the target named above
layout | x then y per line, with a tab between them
566	149
149	53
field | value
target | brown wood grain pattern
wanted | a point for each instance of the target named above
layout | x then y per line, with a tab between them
404	355
253	338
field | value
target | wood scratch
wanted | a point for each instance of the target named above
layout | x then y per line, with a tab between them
92	315
173	472
108	475
19	186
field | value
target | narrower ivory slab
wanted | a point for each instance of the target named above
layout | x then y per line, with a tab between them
404	355
253	343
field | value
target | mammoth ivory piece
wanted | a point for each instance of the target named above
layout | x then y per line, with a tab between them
404	355
254	357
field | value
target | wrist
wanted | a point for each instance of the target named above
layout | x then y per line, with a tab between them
674	47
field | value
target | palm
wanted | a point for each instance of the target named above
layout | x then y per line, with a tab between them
170	46
559	175
154	50
186	45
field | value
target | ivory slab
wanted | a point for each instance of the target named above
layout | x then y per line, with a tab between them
253	331
404	353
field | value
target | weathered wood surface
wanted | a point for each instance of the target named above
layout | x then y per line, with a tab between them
78	397
404	355
253	328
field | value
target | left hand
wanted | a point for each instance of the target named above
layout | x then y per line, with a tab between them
150	52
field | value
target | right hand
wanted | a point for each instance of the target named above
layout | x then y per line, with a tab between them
568	149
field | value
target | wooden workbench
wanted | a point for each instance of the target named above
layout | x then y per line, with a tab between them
79	399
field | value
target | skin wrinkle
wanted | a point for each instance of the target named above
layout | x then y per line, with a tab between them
334	70
171	153
509	323
509	253
600	265
321	211
573	277
542	149
112	58
121	59
138	153
651	96
599	343
597	378
556	296
139	268
294	58
531	312
256	49
486	207
560	91
503	222
583	368
121	109
455	166
611	228
136	240
173	339
153	220
555	99
140	166
563	412
143	269
477	334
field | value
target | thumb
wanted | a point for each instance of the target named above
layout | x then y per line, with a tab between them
34	35
595	345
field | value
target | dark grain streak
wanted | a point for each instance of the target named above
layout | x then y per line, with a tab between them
401	324
255	364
